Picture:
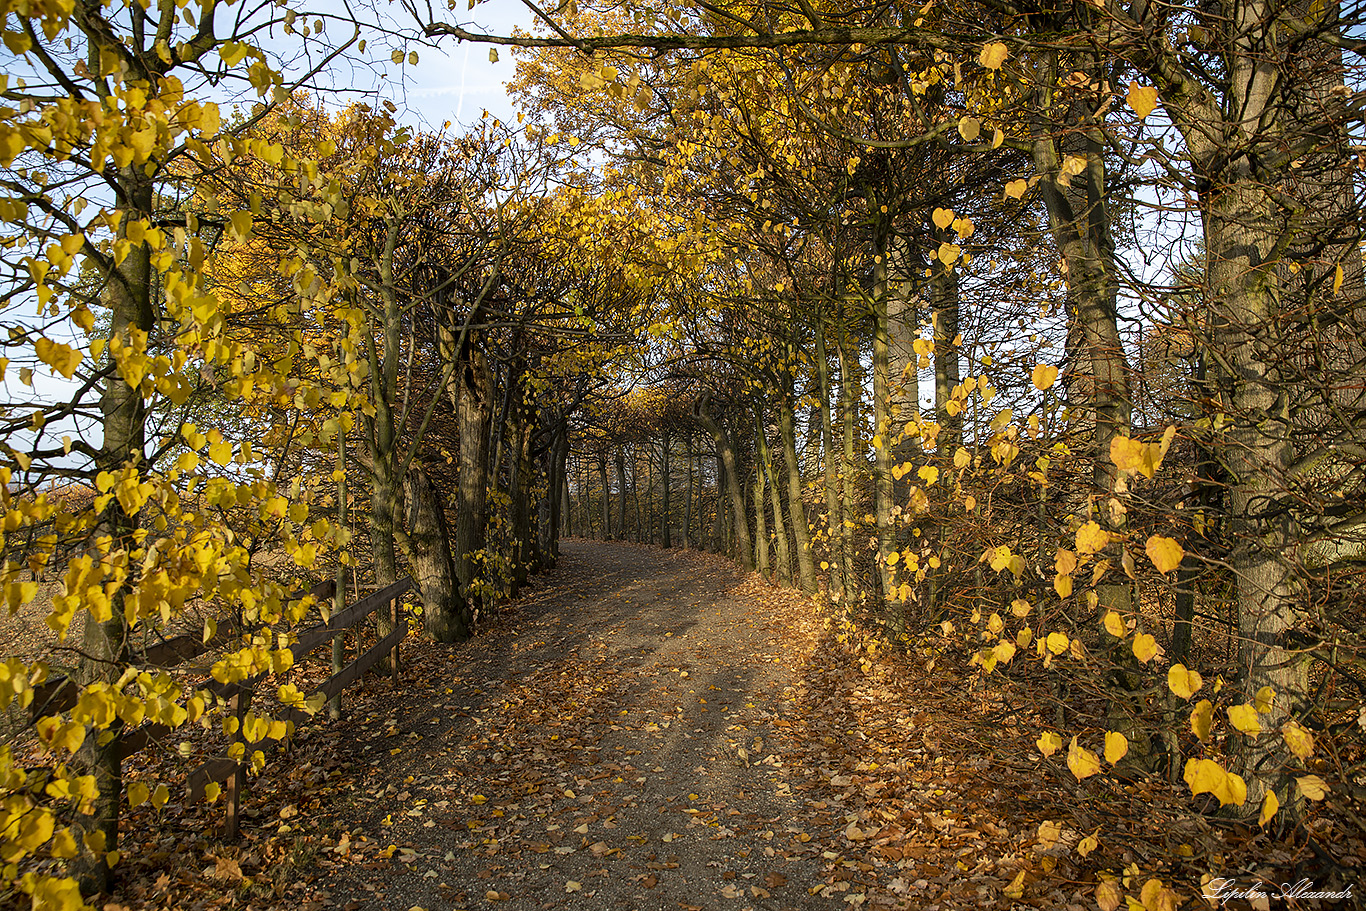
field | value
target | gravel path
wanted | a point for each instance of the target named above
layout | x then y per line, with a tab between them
604	746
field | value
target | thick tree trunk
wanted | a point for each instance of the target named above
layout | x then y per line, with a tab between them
796	508
128	295
726	454
718	525
427	546
834	515
473	394
1241	231
849	400
784	557
882	441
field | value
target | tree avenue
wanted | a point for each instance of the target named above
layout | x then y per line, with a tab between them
1026	342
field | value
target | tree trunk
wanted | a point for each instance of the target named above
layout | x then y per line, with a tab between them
944	303
472	390
128	295
834	515
796	508
760	520
726	454
784	557
427	546
620	462
666	538
606	496
882	442
687	490
849	400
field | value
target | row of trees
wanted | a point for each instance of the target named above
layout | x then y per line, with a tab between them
875	288
942	258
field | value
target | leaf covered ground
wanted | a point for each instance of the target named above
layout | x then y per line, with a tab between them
651	729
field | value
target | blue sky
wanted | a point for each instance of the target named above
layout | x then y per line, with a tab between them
457	82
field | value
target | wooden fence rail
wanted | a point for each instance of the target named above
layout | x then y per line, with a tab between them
60	694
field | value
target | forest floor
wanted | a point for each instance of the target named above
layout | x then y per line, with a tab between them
647	729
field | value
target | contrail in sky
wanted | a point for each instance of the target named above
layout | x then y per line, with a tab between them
464	66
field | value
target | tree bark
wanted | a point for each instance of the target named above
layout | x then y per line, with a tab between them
796	508
427	546
726	454
834	515
666	538
128	295
784	557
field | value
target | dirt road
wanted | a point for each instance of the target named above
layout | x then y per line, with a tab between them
610	748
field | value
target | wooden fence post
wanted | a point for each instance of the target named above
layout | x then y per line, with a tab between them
393	657
237	704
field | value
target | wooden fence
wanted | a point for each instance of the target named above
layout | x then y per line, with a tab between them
61	694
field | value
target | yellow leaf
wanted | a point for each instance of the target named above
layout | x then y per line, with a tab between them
1270	805
1300	741
1057	643
1166	553
1244	718
1114	624
1135	456
1312	787
1142	98
993	55
493	55
1207	776
1048	743
1337	279
241	225
1088	844
942	218
929	474
1109	895
1016	887
969	128
1082	761
1091	538
1064	560
1048	833
1062	584
1116	746
62	358
1184	683
1202	716
948	254
64	845
1020	608
1015	189
221	452
1145	647
1157	897
1044	376
1264	699
138	794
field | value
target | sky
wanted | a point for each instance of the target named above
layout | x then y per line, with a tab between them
457	81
